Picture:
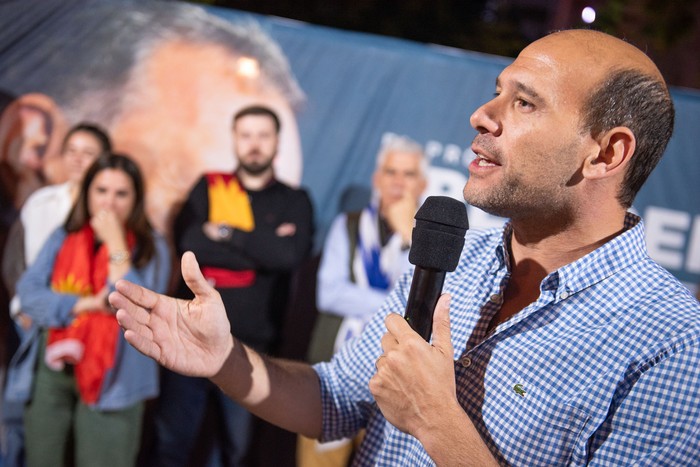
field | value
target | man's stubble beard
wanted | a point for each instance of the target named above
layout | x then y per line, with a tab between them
256	168
513	198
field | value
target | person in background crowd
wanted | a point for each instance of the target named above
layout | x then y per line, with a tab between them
364	254
250	231
563	342
44	211
77	370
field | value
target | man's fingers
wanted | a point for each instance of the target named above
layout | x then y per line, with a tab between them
388	342
143	345
121	301
134	320
136	329
130	292
442	338
397	326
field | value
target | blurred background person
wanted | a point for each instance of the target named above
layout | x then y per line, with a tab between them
29	158
44	211
250	232
364	254
47	208
82	376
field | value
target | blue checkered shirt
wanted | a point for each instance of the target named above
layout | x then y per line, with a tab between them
602	369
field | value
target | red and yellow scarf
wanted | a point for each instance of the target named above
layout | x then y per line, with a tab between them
90	341
229	204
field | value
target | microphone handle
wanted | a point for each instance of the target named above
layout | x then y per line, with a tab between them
426	288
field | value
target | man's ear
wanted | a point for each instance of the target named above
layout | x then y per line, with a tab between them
616	148
32	128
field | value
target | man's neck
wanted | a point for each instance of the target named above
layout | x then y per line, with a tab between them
255	182
552	246
538	249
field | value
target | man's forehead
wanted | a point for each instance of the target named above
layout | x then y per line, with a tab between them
531	77
402	159
258	121
551	73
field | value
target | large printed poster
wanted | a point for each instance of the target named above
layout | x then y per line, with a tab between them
165	79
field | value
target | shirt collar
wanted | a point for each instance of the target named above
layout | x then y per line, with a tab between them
270	182
502	251
627	248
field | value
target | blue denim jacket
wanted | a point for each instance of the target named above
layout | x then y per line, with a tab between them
134	377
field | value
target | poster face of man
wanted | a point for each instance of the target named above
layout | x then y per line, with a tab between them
163	79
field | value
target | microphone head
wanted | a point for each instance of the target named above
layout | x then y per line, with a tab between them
438	237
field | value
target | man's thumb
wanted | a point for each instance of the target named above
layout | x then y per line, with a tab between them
193	275
441	324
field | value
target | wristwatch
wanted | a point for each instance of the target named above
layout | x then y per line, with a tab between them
225	232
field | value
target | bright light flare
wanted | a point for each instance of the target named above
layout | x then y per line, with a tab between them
588	15
247	67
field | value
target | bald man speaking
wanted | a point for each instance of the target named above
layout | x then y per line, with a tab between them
563	342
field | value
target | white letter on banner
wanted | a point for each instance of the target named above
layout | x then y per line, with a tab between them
432	149
452	154
445	182
692	263
665	235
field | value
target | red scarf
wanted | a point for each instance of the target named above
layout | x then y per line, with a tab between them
90	341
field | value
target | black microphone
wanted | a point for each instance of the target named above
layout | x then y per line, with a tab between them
437	242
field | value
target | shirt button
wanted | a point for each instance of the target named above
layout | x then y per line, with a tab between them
495	298
466	362
564	295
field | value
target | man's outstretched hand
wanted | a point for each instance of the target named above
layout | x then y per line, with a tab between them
192	337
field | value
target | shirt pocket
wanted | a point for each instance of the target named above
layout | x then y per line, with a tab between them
562	426
539	432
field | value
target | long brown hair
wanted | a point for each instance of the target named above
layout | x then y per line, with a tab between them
137	221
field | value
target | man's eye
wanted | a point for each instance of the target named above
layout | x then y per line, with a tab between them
524	104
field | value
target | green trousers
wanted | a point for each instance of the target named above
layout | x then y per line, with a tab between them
58	426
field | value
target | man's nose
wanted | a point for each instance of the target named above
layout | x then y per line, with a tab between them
485	119
398	181
254	145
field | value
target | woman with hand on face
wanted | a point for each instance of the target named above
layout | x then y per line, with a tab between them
89	386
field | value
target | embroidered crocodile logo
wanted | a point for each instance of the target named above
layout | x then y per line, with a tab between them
518	388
